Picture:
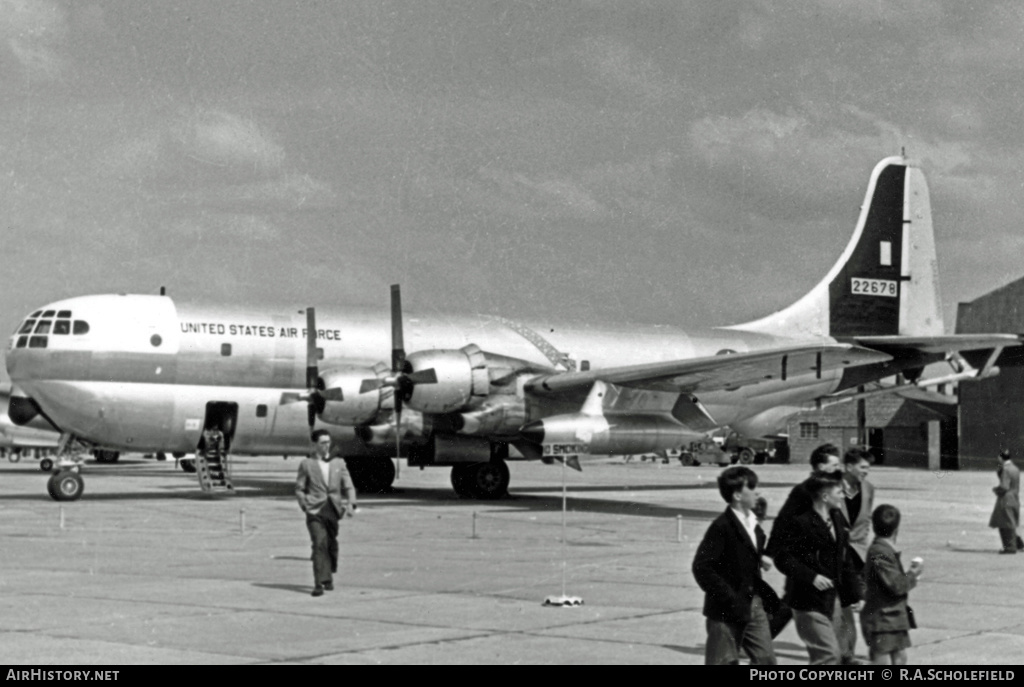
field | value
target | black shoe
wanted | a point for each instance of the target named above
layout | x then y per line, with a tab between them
317	591
1007	550
329	586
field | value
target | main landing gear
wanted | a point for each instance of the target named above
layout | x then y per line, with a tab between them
371	475
485	481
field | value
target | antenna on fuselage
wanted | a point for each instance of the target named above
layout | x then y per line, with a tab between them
163	290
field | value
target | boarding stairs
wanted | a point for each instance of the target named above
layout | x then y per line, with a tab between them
213	467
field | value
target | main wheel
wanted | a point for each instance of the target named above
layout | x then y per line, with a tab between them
487	481
106	456
460	480
745	456
187	464
46	465
65	486
371	475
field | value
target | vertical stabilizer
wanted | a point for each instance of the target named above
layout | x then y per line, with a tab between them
885	282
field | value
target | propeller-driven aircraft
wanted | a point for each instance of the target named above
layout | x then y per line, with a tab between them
144	373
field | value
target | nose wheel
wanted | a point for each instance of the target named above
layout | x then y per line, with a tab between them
65	486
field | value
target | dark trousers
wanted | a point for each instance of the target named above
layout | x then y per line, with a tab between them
726	639
323	533
1011	542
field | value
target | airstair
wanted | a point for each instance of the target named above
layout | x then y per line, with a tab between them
212	464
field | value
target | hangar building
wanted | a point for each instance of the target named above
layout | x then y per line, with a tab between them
992	410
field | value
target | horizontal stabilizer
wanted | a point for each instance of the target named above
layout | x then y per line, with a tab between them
716	372
937	344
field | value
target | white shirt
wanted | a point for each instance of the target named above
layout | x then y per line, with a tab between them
325	470
749	522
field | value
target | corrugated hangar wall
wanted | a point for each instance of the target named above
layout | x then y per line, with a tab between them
992	410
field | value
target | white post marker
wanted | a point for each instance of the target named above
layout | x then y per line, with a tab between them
563	600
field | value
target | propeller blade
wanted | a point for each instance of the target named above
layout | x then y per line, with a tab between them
422	377
311	415
398	427
370	385
397	338
312	373
290	397
333	395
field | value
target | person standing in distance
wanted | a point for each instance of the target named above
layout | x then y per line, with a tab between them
318	488
728	566
1006	514
856	505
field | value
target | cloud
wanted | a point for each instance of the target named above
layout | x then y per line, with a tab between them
811	156
35	31
623	68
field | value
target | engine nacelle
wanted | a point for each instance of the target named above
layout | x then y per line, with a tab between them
353	408
414	430
606	435
461	375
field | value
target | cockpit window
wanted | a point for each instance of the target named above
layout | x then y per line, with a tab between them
37	342
64	313
81	327
22	341
37	313
48	313
27	327
43	327
62	327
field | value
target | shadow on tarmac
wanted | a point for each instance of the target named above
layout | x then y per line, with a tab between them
303	589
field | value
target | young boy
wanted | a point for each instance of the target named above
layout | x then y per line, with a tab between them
820	577
885	618
728	567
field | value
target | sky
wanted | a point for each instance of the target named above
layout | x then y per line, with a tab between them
689	162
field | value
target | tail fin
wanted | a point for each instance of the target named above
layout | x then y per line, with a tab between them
886	282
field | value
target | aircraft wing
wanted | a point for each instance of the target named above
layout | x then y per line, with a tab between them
897	345
716	372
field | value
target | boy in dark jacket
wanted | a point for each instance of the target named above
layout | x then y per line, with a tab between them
820	576
728	567
885	618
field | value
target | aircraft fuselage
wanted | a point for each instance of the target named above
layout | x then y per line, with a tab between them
141	370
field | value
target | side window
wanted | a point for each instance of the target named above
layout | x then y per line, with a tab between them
225	349
261	410
80	327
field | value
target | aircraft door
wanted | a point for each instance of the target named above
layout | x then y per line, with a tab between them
222	416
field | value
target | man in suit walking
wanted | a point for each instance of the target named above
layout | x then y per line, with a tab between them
728	567
318	488
857	504
1006	515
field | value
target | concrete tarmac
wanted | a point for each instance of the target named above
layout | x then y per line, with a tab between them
144	569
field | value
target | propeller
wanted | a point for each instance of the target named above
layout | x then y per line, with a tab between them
402	379
315	395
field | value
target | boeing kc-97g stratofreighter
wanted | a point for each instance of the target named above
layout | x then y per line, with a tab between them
143	373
